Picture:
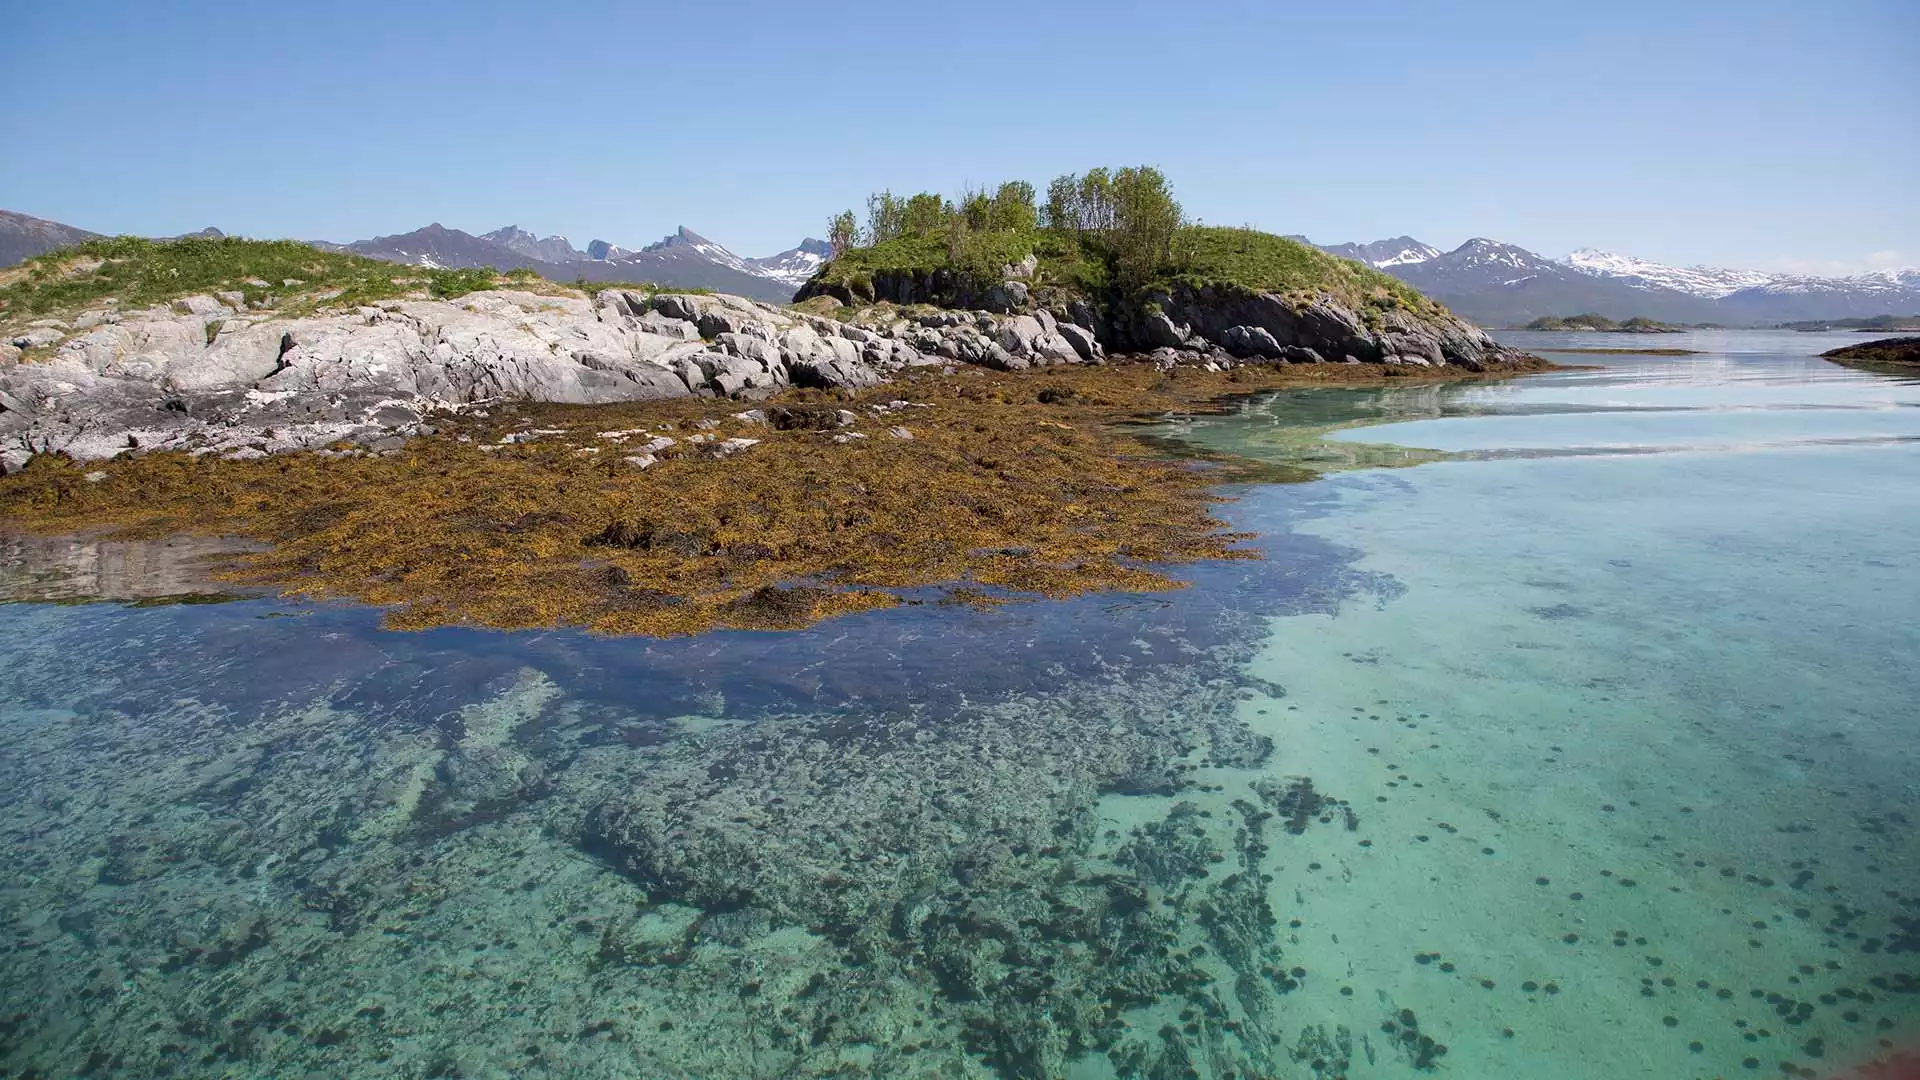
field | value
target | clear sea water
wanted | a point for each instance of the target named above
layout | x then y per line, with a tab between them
1565	729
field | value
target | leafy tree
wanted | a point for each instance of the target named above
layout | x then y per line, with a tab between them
1145	221
1063	203
977	209
886	217
1012	209
843	232
1096	201
925	214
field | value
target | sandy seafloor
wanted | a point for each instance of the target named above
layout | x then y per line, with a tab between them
1583	748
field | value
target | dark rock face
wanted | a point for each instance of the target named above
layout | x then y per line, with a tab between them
1266	326
1245	326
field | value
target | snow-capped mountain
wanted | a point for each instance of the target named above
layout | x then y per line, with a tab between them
1496	283
1797	297
683	259
792	266
1399	251
795	265
1711	282
1501	284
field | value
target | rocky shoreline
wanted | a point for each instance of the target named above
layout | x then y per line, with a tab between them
1895	355
213	374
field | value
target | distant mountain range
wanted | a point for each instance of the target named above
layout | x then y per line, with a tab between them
1499	284
684	259
1487	281
23	237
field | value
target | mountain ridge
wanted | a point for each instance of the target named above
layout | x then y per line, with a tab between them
683	259
1493	282
1486	280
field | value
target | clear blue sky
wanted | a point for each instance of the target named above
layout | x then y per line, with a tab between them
1741	132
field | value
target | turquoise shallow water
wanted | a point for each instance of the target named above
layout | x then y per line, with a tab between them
1581	748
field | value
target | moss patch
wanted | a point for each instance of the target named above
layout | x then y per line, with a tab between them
994	491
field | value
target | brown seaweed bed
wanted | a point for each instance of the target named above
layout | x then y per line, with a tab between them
984	484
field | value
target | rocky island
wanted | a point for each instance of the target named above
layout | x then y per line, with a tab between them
1895	355
1602	323
937	408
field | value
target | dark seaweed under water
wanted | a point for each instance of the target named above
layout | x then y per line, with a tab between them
1438	785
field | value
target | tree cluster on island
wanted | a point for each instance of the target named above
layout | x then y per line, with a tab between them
1105	234
1126	220
1601	322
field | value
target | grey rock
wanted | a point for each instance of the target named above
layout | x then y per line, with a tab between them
234	359
1001	360
717	320
905	355
653	322
682	306
1160	332
201	305
833	372
615	304
38	338
1017	335
1244	341
749	346
1054	349
1082	341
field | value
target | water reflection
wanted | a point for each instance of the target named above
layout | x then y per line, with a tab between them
65	569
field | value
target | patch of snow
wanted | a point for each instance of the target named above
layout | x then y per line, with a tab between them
1711	282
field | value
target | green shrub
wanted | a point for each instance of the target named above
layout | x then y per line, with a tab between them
448	284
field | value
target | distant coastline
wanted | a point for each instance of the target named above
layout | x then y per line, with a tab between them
1600	324
1875	325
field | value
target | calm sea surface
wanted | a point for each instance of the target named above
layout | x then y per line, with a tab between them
1567	728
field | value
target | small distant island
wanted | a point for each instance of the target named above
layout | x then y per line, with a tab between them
1601	322
1897	356
1876	324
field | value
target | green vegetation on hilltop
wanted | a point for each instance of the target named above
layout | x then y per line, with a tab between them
139	273
1601	322
1115	234
134	273
1254	261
